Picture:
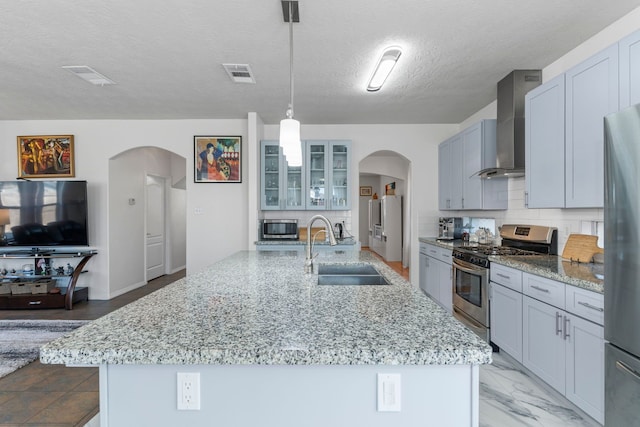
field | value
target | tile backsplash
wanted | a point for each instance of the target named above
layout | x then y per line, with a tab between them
567	221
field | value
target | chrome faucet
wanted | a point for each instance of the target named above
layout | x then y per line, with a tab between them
308	262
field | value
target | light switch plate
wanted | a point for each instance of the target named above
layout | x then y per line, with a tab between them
389	393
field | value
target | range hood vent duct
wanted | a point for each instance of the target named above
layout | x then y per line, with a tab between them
510	145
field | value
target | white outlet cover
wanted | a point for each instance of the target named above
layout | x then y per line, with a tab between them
188	387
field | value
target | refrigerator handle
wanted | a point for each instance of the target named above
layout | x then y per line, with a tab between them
624	368
558	323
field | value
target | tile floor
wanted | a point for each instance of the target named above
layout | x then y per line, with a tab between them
56	396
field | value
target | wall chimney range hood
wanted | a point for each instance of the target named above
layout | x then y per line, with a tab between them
510	145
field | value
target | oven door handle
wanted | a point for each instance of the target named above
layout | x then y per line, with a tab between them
467	267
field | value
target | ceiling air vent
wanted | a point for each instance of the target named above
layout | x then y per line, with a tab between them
239	73
89	74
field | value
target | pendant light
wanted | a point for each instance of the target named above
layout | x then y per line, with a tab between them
289	127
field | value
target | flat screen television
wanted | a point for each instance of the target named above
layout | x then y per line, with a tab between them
43	213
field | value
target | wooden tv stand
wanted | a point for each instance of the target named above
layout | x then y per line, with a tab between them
33	301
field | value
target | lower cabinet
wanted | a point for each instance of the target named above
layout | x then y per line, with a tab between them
554	330
567	352
435	274
506	320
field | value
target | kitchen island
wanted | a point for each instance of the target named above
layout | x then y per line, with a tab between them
273	347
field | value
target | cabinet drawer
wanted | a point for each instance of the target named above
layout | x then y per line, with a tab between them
586	304
543	289
444	255
506	276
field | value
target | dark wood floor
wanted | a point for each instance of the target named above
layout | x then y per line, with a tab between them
54	395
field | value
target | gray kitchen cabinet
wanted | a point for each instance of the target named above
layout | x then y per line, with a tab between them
328	175
435	274
444	175
281	185
591	93
506	309
450	174
629	52
563	348
322	182
544	145
459	159
585	366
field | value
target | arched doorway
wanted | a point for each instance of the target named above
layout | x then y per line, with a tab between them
378	170
128	215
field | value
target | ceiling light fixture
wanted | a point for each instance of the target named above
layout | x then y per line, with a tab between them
383	68
89	74
290	128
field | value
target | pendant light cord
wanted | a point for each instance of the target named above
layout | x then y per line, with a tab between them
291	59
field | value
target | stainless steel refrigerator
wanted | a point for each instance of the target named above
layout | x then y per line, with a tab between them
622	268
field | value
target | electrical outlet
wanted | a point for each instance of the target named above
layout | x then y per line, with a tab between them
189	391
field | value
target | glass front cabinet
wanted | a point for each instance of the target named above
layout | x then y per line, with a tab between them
281	185
324	175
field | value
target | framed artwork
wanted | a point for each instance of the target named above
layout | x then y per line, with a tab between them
46	156
366	191
390	189
217	158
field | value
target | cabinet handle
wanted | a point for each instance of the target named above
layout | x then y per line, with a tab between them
504	276
35	302
567	326
623	367
463	203
537	288
558	323
592	307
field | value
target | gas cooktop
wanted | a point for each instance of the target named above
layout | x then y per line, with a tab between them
486	250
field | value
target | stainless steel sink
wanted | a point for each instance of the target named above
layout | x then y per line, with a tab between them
338	274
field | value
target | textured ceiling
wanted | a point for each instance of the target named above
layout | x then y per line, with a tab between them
166	56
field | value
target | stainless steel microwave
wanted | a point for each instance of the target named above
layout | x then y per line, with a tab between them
279	229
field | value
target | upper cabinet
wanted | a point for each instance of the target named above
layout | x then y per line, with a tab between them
591	94
564	130
459	159
629	52
322	182
544	145
327	174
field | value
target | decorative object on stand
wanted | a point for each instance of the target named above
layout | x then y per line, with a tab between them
289	127
365	191
217	159
46	156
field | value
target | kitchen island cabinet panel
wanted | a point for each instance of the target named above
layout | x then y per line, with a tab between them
275	348
544	145
629	50
591	93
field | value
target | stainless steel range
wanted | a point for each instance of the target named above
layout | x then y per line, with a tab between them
471	270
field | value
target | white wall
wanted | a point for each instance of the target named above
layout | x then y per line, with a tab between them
127	178
218	232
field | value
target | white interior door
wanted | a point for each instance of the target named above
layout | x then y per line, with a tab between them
155	225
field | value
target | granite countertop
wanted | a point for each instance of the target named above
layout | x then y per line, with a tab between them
259	308
586	276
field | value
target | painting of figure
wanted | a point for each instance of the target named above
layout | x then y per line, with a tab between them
45	156
217	158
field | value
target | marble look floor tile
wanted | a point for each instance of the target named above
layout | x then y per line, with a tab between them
509	397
